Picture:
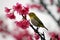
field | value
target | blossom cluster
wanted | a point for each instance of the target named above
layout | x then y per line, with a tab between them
25	35
54	36
58	9
21	10
23	24
18	8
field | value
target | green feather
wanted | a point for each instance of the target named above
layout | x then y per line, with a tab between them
39	21
36	21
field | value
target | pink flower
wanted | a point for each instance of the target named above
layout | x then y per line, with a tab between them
36	6
23	36
21	9
51	1
11	16
7	10
1	22
58	9
24	11
36	36
54	36
18	7
23	24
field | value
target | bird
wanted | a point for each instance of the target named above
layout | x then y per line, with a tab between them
36	21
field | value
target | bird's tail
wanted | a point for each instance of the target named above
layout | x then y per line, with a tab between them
45	28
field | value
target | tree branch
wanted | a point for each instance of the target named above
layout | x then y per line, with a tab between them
44	5
42	38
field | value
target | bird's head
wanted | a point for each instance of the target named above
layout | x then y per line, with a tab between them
31	14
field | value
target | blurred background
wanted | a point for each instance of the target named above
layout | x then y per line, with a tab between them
47	10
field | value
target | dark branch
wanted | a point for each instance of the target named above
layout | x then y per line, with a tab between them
42	38
44	5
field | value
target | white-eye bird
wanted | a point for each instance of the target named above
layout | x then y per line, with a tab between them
36	21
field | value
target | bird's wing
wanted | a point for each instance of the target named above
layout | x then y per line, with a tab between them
40	23
34	22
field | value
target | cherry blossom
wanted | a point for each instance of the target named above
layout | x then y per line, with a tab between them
36	36
51	1
24	11
7	10
23	24
1	22
11	16
21	9
17	7
23	36
58	9
40	7
54	36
